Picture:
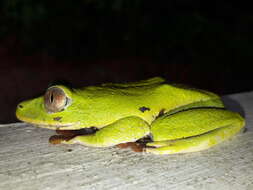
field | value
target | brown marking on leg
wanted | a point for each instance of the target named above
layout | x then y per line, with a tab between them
57	139
122	145
136	147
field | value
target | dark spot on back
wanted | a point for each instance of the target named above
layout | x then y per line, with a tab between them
57	118
143	109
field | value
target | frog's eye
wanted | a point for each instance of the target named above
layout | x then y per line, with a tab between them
55	100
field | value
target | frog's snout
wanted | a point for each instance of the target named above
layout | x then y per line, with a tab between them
19	108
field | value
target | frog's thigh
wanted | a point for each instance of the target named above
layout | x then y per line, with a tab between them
128	129
193	130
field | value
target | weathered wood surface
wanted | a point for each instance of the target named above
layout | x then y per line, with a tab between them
29	162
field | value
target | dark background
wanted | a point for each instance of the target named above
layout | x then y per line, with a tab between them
204	44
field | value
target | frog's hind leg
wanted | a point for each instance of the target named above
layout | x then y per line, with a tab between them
193	130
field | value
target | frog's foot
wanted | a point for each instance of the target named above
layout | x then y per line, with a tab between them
64	136
213	127
66	139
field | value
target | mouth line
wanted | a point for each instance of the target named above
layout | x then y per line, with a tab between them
42	124
49	126
39	122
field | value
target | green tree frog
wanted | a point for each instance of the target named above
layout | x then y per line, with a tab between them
174	118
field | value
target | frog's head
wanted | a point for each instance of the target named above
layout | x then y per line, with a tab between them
57	109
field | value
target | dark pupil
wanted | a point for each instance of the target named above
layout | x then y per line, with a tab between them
51	98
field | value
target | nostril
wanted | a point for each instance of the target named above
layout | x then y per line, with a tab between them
20	106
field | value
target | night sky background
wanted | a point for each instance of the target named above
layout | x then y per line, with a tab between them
203	44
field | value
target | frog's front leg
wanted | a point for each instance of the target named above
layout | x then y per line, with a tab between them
193	130
128	129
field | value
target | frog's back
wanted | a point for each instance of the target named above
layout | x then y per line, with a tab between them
143	83
156	91
145	99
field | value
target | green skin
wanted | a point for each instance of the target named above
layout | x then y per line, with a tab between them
178	119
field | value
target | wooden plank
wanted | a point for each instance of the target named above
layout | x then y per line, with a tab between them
28	161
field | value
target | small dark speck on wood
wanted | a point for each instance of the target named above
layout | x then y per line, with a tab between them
57	118
143	109
245	130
